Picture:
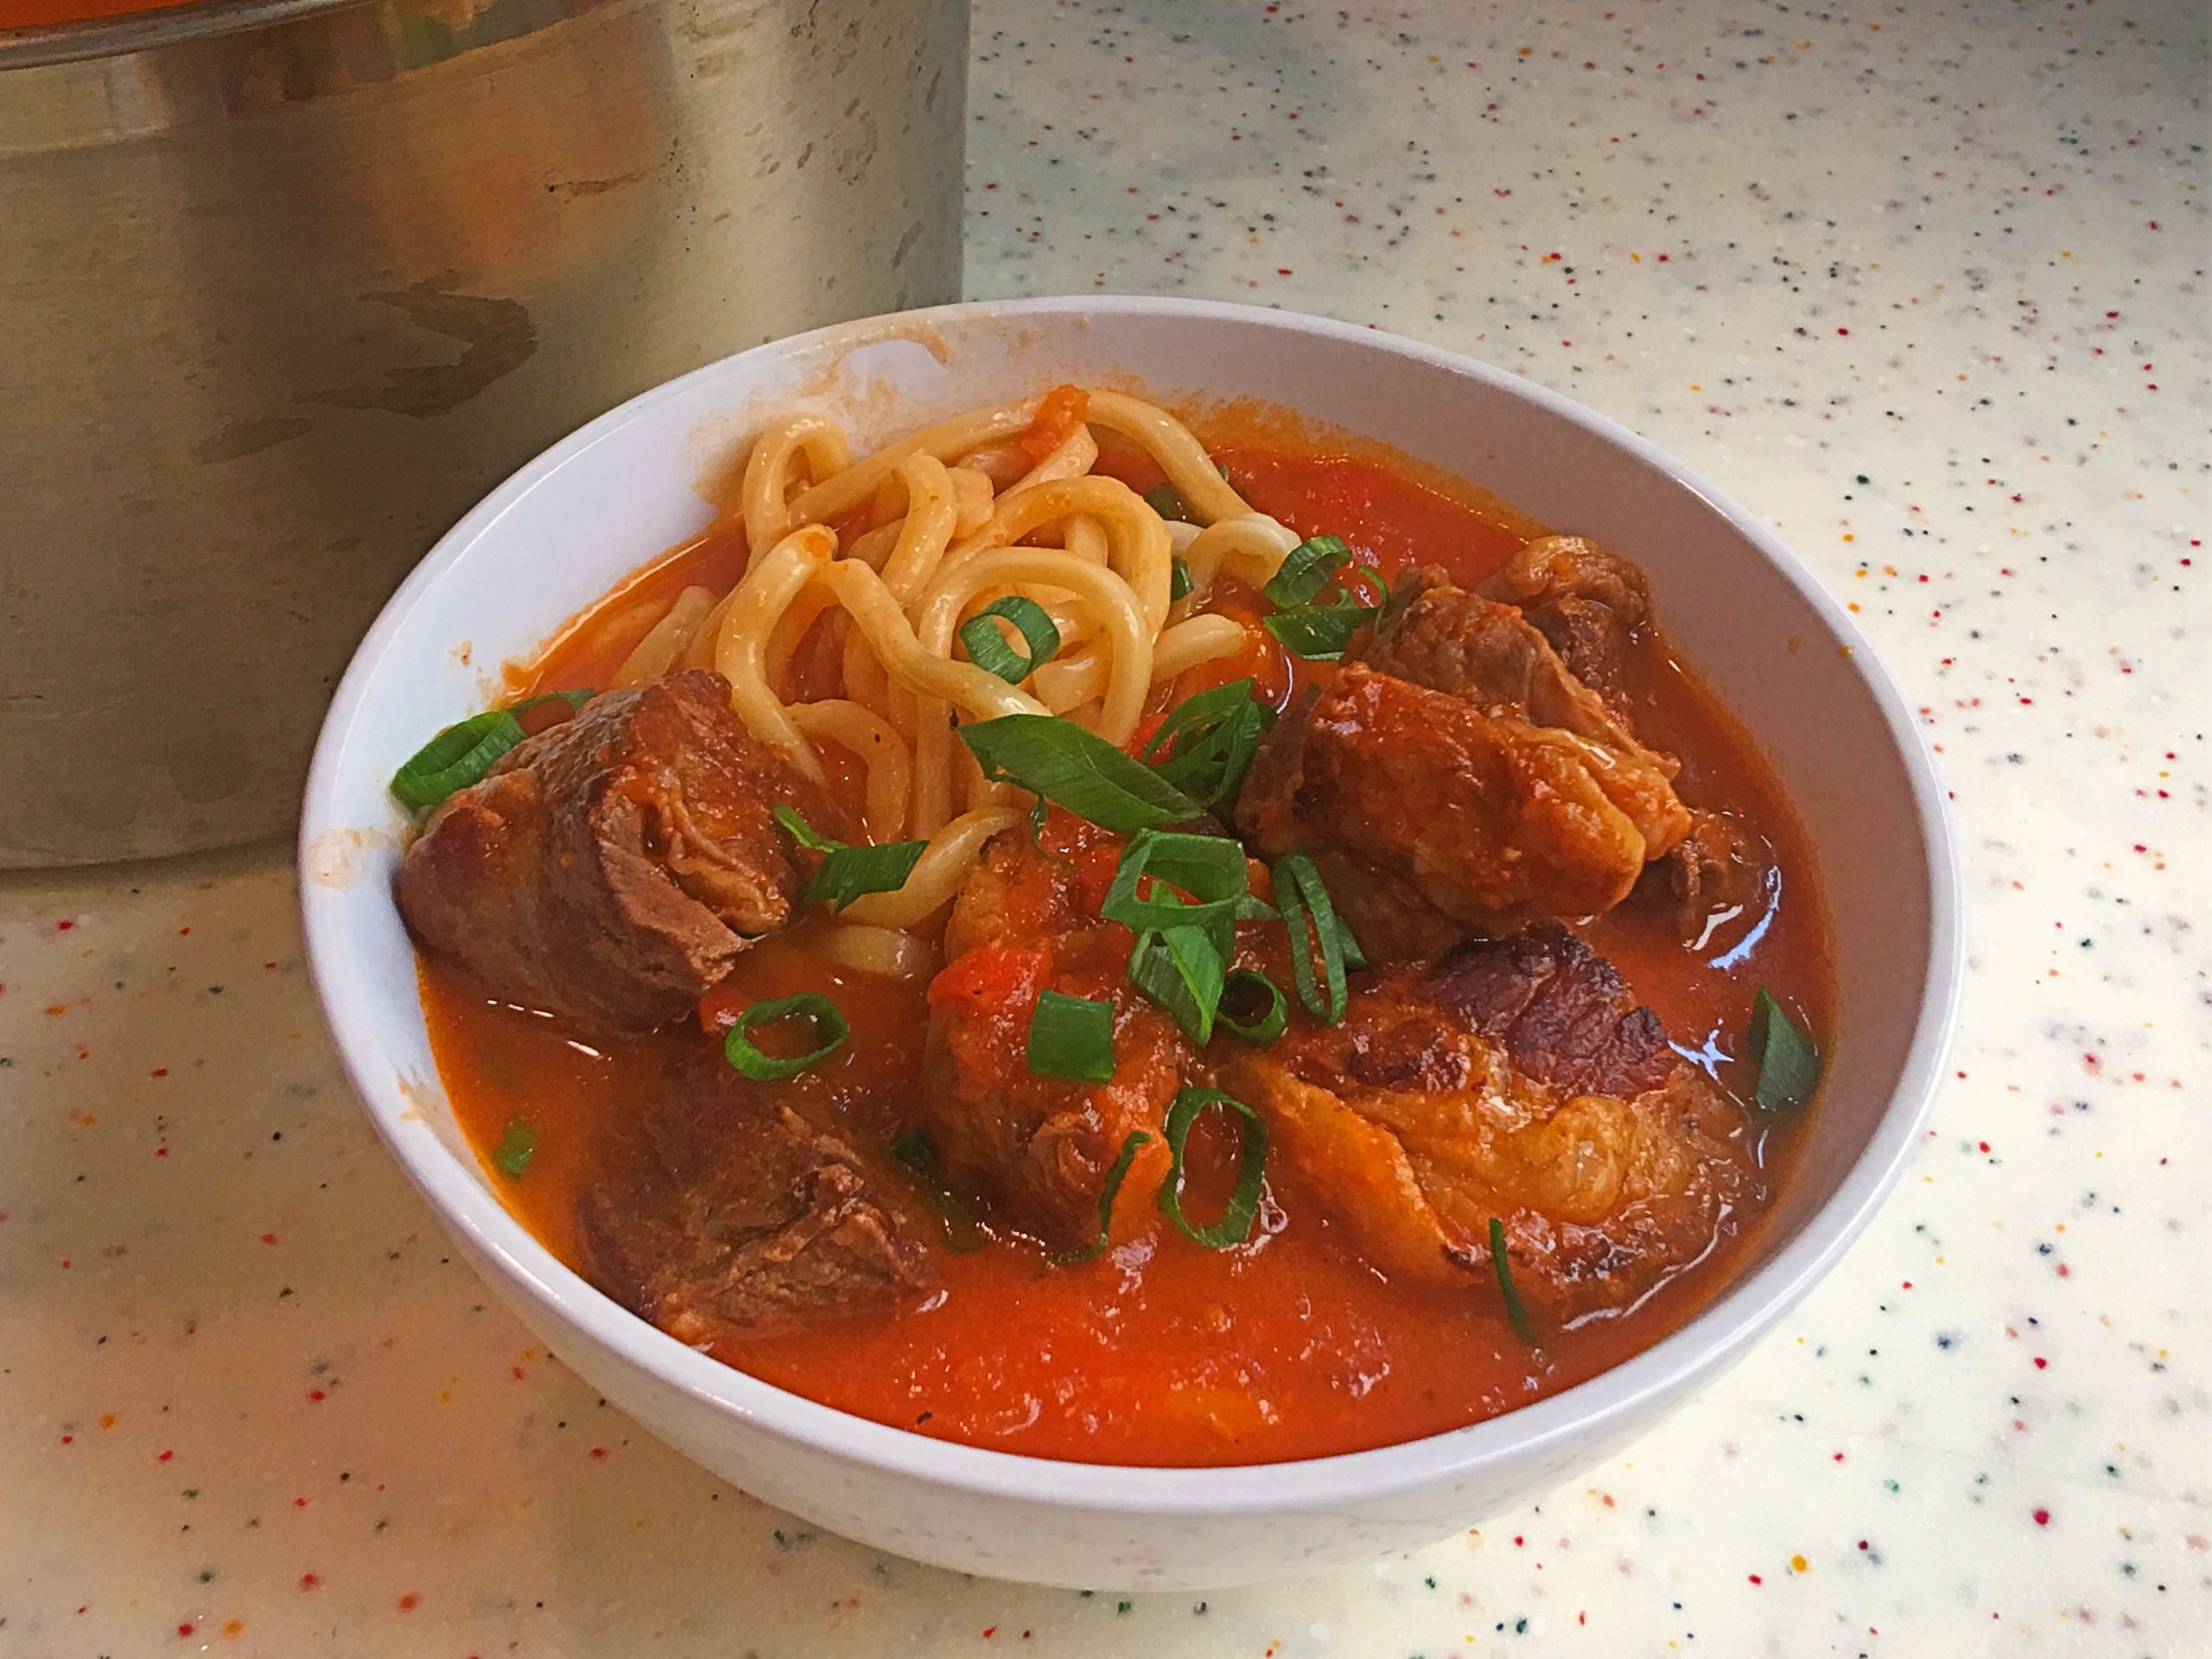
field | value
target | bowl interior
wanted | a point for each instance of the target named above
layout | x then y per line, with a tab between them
1770	644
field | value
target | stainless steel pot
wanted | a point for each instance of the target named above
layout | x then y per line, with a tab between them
285	285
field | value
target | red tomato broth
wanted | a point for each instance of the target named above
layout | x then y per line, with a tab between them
1161	1352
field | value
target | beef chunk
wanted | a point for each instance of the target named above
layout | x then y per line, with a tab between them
1514	1080
1457	776
1559	1007
1490	822
1590	605
732	1211
1436	634
1036	1151
610	869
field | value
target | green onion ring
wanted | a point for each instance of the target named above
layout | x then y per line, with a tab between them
739	1050
988	649
1270	1025
1235	1226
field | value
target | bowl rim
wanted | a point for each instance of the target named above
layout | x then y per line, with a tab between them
1621	1394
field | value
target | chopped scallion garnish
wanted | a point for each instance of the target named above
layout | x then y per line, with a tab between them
1178	579
1182	970
1210	869
1205	744
1116	1173
464	751
828	1024
1319	632
1270	1022
1300	894
1235	1226
1168	501
849	873
918	1154
1072	1037
516	1147
1789	1064
1306	571
1076	768
989	650
1513	1310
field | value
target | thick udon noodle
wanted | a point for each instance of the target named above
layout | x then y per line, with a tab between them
900	549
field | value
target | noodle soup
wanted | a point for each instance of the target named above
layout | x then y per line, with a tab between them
1116	940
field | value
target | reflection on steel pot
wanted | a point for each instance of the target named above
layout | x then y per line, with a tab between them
285	285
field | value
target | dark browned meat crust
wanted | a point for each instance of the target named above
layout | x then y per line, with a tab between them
733	1214
610	870
1560	1009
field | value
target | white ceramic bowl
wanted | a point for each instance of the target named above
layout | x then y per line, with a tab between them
1777	648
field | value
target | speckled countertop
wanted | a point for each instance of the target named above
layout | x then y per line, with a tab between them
1925	283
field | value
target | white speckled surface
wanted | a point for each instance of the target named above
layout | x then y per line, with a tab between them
1926	285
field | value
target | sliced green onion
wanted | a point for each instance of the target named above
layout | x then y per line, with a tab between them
1072	1037
1210	741
1789	1066
847	872
803	832
1319	632
464	751
918	1154
1178	579
1114	1174
1039	809
1077	769
1210	869
515	1150
1513	1310
1300	894
988	649
1235	1226
1183	969
828	1023
1306	571
1168	501
1268	1026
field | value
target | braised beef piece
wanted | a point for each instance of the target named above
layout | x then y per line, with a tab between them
1436	634
1036	1150
730	1210
1455	777
1590	603
1514	1078
1485	823
610	869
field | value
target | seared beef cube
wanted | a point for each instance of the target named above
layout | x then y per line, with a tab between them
1037	1150
1590	603
1514	1080
610	869
1491	822
730	1212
